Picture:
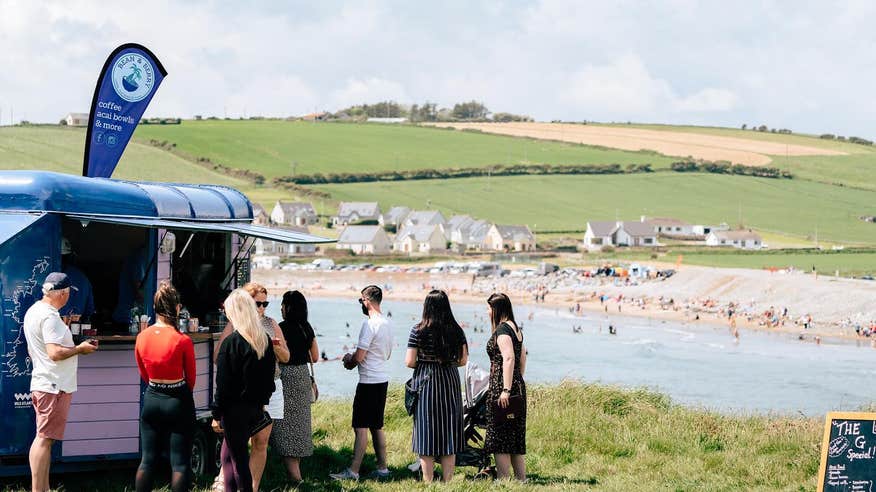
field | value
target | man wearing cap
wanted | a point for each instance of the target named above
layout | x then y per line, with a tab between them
53	378
81	303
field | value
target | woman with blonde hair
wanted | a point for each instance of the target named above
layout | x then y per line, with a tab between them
259	452
245	368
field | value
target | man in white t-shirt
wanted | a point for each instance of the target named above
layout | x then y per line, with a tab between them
53	378
372	352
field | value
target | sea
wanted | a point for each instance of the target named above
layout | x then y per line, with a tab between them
697	365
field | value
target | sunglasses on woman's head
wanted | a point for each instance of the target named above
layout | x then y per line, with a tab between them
361	301
263	304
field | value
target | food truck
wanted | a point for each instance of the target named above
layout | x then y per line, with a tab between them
197	236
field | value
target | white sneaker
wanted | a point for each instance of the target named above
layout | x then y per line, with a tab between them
347	474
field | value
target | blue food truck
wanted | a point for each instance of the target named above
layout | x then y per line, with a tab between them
197	236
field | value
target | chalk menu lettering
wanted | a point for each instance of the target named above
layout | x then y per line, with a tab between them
848	453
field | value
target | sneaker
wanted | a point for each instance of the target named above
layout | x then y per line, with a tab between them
347	474
380	475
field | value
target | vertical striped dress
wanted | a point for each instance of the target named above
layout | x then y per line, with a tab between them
438	415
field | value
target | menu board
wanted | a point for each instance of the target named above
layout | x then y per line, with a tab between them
848	453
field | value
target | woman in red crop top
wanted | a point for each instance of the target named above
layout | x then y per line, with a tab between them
166	359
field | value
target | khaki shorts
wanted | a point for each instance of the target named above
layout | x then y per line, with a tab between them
51	413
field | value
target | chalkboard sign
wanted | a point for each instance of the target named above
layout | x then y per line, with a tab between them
848	453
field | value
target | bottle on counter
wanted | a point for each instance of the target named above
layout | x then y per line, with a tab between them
134	320
183	320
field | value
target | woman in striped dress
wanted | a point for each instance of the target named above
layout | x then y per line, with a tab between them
436	347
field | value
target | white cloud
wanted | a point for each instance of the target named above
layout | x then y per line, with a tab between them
708	100
677	62
626	87
372	89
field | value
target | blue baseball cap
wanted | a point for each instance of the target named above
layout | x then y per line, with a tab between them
58	281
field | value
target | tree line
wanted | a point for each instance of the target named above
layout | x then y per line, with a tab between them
724	167
426	112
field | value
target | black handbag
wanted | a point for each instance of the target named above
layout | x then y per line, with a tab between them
514	411
411	397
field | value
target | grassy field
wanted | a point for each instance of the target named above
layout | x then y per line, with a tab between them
579	437
794	138
568	202
271	147
849	263
60	149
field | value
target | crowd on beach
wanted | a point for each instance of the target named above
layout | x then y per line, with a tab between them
265	385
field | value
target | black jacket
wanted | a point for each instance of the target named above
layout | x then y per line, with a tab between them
241	377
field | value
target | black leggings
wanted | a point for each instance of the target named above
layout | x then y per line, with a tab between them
238	423
167	422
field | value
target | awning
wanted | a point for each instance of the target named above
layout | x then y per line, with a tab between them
280	235
12	224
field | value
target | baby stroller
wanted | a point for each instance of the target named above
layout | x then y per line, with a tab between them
474	418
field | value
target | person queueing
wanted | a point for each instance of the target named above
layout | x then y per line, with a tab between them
166	359
55	360
506	438
436	347
259	453
292	437
372	351
245	369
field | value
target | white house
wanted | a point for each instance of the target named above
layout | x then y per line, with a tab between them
268	247
509	238
395	216
424	217
294	213
387	120
76	119
420	239
704	230
454	227
635	234
601	234
667	226
370	240
260	217
741	239
352	212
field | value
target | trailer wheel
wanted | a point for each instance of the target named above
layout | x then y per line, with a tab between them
202	454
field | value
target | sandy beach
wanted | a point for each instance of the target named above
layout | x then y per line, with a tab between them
694	294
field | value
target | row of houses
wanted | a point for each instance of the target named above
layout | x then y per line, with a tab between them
645	233
425	232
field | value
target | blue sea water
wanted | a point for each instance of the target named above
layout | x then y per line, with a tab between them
696	365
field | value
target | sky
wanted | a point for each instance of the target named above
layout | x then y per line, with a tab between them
805	66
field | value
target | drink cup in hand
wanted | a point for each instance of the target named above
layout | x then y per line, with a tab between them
275	341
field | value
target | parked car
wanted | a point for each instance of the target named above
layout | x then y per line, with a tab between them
323	264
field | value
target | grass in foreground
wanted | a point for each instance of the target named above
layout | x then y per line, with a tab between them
549	203
580	437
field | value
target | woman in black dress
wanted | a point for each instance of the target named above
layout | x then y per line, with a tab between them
436	348
506	430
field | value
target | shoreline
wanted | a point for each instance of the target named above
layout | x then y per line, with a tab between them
463	288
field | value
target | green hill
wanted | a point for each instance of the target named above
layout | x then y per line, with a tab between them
829	193
53	148
271	147
795	207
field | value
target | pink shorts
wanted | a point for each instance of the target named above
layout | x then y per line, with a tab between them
51	413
